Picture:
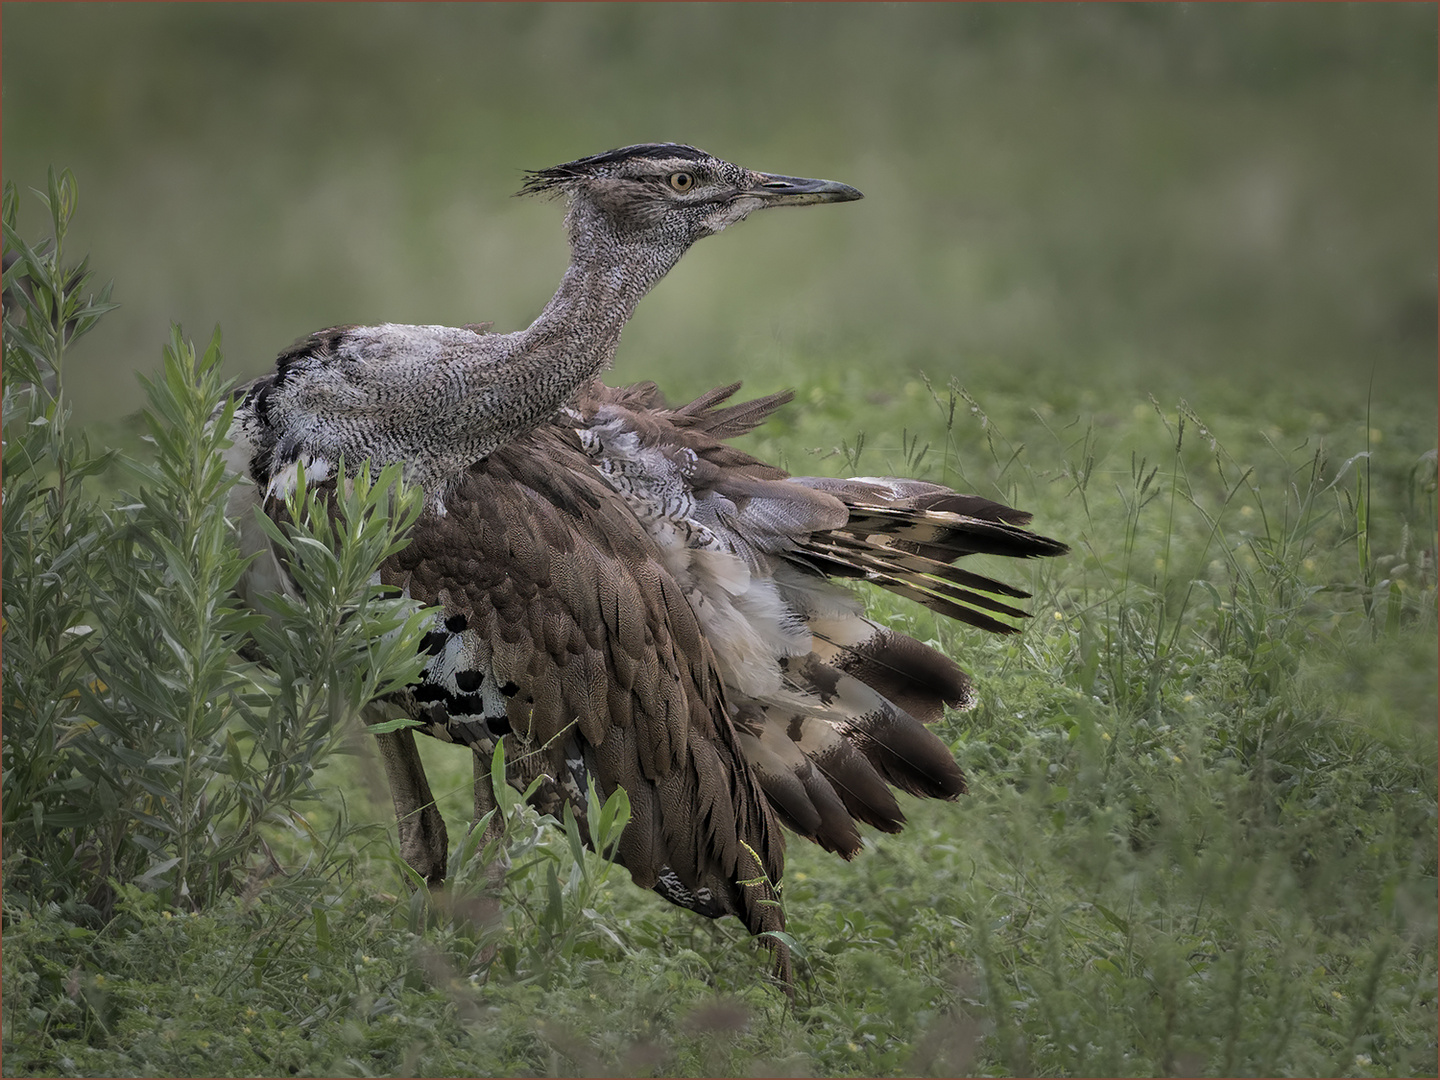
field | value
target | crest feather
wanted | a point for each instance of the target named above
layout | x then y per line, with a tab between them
553	179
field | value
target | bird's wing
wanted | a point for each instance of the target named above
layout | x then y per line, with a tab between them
561	628
831	707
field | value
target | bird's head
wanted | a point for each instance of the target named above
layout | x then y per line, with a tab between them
669	192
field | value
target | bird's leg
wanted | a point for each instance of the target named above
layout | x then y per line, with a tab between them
423	843
488	909
485	802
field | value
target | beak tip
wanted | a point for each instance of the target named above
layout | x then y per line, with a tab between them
798	191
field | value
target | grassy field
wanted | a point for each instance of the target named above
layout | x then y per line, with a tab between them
1164	276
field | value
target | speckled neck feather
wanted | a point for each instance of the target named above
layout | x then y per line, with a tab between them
439	398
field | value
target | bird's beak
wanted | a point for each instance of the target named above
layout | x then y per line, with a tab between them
775	190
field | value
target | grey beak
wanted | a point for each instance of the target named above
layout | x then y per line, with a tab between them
797	191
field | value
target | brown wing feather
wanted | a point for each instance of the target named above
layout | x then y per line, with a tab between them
551	568
598	655
824	759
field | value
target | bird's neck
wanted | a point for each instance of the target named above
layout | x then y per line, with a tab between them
574	338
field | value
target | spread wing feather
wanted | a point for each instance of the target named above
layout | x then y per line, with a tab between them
844	719
627	597
561	629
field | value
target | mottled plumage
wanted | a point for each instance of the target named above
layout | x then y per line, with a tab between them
624	596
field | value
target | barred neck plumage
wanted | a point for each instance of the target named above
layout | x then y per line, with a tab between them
441	398
575	337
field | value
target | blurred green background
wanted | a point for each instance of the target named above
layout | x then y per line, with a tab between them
1078	202
1223	722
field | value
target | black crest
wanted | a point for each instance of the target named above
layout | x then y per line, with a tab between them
542	181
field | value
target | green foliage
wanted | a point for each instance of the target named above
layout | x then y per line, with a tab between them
137	748
1200	837
52	533
566	927
525	888
1189	848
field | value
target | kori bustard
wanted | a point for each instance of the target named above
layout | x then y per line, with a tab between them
625	597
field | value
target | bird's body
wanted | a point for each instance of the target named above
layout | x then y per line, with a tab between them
623	596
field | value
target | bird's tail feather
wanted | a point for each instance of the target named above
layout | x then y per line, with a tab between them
905	536
854	725
917	679
829	749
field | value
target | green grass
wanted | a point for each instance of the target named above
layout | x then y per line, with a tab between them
1163	276
1200	836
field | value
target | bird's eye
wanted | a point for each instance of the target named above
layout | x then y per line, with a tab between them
682	181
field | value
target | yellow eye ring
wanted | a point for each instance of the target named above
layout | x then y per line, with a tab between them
682	181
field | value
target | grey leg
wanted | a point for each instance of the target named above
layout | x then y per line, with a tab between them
484	803
486	909
423	842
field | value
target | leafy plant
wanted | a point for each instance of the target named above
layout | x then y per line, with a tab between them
1199	836
138	748
52	532
540	868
